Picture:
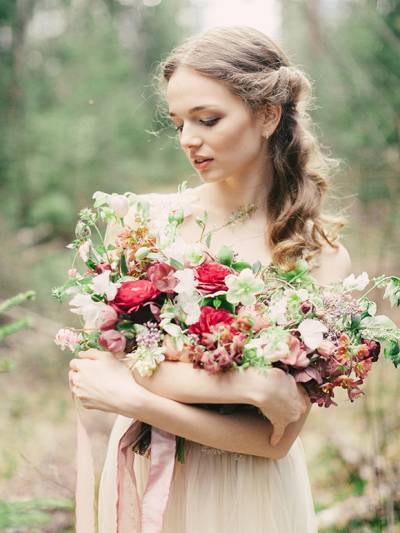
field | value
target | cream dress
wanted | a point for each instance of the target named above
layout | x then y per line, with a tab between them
217	491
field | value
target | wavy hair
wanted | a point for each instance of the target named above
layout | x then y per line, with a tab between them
254	68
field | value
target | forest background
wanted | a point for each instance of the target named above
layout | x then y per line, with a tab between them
79	113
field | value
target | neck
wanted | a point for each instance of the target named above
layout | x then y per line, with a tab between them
232	193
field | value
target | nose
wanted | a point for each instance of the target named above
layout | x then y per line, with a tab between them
189	138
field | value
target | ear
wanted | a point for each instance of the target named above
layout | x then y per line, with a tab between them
269	118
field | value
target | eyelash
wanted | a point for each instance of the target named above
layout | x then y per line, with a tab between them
208	123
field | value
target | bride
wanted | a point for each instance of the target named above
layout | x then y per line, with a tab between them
239	108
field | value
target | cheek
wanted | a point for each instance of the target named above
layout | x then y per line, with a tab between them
238	143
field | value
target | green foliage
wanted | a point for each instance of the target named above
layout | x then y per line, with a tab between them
17	325
35	512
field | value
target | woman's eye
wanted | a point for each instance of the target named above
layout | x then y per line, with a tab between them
206	122
210	122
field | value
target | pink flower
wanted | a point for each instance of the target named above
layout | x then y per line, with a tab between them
119	204
255	312
66	338
108	318
297	355
326	348
72	273
84	249
113	341
162	277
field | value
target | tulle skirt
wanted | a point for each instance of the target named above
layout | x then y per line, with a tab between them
221	492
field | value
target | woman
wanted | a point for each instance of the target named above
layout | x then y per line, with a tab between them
239	109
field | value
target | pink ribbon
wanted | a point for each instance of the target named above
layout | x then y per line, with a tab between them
132	515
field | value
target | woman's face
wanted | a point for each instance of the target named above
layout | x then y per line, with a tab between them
215	124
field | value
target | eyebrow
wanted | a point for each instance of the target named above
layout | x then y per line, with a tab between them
196	108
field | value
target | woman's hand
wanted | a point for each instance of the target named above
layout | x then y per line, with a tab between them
282	401
101	381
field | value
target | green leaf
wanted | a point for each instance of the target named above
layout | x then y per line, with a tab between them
378	322
240	265
123	266
180	449
217	303
225	255
256	267
392	352
392	292
176	264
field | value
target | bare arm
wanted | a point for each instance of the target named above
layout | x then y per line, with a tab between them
183	383
242	432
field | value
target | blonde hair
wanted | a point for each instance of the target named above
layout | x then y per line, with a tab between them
254	68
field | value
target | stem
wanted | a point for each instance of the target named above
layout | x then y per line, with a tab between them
102	242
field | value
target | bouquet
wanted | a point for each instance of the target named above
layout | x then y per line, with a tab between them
146	295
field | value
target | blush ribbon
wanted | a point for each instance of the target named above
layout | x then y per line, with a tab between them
133	515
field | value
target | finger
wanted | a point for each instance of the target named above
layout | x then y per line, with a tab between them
277	434
92	353
74	365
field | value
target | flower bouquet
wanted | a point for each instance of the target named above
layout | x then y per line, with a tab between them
146	295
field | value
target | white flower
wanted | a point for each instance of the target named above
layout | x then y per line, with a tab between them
186	282
190	307
100	198
82	304
119	204
145	359
176	250
311	331
277	311
195	254
352	283
243	288
272	344
102	284
84	250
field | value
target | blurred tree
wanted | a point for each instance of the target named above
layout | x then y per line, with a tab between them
350	49
83	108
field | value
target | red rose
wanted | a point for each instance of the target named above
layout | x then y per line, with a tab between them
211	277
133	294
209	316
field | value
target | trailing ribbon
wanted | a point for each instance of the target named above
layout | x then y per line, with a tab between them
132	514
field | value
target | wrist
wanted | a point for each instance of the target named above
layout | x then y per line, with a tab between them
257	386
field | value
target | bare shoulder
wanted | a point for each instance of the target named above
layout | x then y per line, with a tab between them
334	264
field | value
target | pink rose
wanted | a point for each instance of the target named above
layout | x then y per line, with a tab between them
113	341
108	318
162	277
211	277
133	294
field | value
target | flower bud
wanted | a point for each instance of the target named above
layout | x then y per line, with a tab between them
113	341
142	253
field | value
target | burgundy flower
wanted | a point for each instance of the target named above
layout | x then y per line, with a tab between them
133	294
209	316
102	267
374	348
211	277
162	277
